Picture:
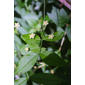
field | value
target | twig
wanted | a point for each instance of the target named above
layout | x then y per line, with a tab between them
65	3
63	39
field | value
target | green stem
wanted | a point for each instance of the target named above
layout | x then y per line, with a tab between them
41	39
44	9
42	29
41	45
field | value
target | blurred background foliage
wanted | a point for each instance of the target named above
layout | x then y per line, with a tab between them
53	65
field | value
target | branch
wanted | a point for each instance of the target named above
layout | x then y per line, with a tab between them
62	42
65	3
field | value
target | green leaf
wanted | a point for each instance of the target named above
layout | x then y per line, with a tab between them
68	52
34	48
59	29
47	18
63	12
33	44
54	60
68	31
20	11
28	2
23	51
22	22
45	79
31	18
59	17
63	18
21	81
34	41
26	63
17	43
58	52
57	35
17	40
22	31
34	83
44	53
53	15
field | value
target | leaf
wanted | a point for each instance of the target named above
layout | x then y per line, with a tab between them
53	15
63	18
26	63
20	11
54	60
34	41
23	51
59	29
21	81
44	53
17	43
34	83
58	52
28	2
34	48
17	40
57	35
68	31
63	12
59	17
15	59
31	18
22	22
45	79
22	31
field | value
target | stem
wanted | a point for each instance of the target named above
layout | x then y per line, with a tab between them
42	33
62	42
41	44
42	29
44	9
26	4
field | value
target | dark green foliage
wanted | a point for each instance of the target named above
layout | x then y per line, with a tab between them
42	50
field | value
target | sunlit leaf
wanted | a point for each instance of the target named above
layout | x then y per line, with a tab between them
34	41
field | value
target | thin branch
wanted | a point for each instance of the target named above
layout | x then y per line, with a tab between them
62	42
65	3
